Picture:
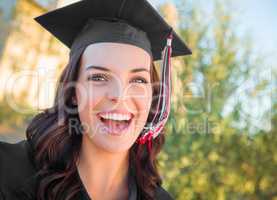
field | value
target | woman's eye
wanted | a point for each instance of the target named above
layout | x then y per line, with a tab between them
102	77
97	77
140	80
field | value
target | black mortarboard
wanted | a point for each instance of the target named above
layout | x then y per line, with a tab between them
127	21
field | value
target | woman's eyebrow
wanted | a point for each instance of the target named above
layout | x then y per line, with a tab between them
108	70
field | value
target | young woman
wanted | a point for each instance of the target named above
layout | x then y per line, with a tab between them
101	138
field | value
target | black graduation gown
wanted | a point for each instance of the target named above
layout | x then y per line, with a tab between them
18	175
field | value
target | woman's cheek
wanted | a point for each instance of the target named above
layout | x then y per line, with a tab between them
142	97
95	97
88	96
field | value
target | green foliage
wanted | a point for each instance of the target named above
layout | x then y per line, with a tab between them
213	148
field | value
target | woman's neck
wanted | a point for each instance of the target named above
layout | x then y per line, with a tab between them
102	172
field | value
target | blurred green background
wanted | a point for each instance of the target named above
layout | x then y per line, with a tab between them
221	134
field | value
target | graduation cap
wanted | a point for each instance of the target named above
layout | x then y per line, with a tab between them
133	22
66	23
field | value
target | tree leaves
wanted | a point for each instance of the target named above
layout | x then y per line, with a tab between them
211	153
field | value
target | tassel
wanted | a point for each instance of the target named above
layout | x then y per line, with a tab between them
164	99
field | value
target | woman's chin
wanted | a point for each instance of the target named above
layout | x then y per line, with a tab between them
112	143
112	147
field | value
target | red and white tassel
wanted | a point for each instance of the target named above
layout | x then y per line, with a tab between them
164	99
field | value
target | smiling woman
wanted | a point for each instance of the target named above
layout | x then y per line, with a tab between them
91	144
124	91
118	94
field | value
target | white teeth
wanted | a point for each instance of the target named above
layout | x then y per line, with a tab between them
115	116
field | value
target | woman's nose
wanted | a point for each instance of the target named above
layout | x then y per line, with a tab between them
116	92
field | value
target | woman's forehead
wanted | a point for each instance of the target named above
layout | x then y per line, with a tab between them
115	55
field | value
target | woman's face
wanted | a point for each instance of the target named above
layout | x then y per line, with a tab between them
114	94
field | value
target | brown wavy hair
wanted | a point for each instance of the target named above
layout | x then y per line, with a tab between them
56	145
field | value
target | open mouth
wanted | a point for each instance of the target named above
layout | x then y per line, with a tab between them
116	127
115	122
